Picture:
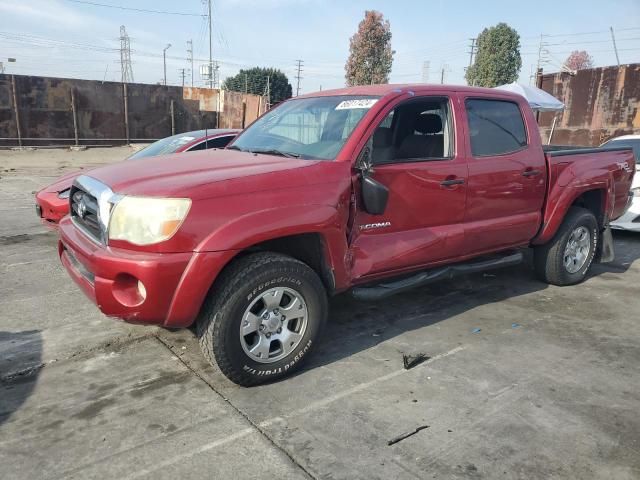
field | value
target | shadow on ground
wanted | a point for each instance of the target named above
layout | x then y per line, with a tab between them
355	326
18	381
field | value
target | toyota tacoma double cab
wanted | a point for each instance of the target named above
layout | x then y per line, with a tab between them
372	189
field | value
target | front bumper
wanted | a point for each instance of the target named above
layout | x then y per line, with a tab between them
174	284
51	208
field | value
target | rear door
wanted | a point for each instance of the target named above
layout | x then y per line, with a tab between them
507	174
419	159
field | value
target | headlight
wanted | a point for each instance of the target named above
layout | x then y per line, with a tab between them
143	221
64	194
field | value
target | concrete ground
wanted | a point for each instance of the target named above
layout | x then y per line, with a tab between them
523	380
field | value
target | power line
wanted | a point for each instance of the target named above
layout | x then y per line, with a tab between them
141	10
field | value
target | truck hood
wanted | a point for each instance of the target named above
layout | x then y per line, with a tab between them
204	174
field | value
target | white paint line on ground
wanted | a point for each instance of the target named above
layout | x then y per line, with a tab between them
309	408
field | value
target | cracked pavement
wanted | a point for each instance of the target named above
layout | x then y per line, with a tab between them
523	380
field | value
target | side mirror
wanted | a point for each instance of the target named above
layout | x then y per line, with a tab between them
374	195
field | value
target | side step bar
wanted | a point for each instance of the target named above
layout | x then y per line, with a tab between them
384	290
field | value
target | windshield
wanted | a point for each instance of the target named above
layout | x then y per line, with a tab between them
313	128
166	145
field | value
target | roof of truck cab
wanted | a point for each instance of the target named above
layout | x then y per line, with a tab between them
385	89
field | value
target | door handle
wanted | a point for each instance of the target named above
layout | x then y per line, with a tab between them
453	181
531	173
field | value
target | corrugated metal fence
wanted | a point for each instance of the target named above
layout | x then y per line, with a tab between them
52	111
600	103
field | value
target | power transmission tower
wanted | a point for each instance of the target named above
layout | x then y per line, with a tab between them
298	77
125	56
190	58
426	65
183	73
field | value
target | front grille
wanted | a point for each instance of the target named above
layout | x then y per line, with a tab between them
85	213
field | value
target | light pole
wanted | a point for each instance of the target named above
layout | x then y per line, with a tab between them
164	61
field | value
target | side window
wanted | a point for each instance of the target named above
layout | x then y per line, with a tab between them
417	130
495	126
197	146
220	142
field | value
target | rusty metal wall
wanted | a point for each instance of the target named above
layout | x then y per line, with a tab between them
600	103
45	113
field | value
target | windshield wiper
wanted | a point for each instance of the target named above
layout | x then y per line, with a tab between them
233	147
280	153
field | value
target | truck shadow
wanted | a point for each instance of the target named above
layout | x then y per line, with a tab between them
355	326
20	362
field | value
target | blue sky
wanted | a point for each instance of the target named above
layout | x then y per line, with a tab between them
69	39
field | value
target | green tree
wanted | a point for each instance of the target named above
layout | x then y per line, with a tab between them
370	56
498	58
254	80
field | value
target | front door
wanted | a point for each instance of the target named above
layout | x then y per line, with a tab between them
415	155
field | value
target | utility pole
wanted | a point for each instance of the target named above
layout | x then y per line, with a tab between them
268	94
615	49
183	73
444	68
190	59
164	62
210	49
246	89
216	74
298	77
125	57
425	71
541	50
1	67
472	51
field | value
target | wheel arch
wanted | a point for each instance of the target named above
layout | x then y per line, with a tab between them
595	200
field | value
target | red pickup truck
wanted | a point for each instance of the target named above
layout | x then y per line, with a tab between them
372	189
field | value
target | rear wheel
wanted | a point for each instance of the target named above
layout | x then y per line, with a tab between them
262	318
566	259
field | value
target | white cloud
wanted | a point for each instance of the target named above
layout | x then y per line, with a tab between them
55	13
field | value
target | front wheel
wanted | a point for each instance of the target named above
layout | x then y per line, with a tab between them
566	259
266	312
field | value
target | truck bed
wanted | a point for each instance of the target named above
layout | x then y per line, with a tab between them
606	171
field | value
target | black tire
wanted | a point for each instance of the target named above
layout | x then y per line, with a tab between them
549	258
218	326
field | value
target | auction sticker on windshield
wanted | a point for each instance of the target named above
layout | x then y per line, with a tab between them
360	103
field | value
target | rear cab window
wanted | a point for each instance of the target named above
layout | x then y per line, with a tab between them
496	127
